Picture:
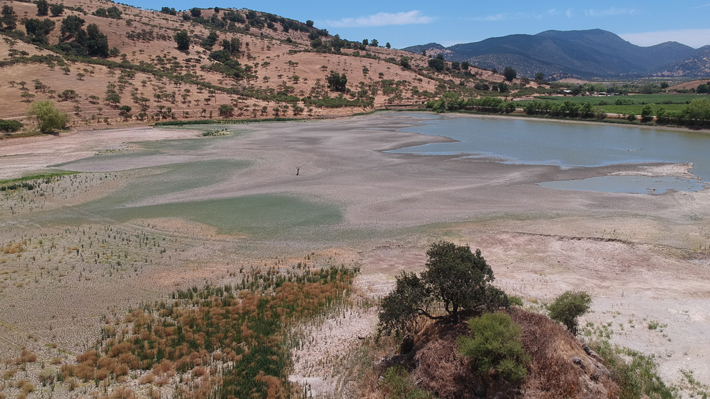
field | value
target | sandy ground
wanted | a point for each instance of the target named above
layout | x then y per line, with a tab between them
642	258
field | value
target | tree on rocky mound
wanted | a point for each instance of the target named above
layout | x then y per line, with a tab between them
568	306
455	278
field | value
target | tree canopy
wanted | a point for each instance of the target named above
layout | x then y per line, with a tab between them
509	73
336	81
437	63
49	119
568	306
454	278
183	40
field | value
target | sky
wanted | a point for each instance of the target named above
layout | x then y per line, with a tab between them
407	23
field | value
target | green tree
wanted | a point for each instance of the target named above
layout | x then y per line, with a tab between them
309	23
336	81
702	88
96	43
365	42
495	345
71	25
210	40
540	77
437	63
404	62
568	306
195	12
388	45
374	43
698	112
183	40
8	21
38	29
503	87
509	73
42	7
56	9
646	113
226	110
465	65
49	119
454	277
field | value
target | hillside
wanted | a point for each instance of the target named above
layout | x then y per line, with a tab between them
275	67
585	54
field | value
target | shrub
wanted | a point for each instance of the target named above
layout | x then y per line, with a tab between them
568	306
10	126
48	117
495	344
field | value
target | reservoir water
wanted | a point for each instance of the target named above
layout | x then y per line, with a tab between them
568	145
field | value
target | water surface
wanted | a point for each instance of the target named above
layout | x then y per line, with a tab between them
568	145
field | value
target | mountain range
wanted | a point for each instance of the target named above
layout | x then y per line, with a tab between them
584	54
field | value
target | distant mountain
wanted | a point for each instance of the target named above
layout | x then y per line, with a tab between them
698	65
585	54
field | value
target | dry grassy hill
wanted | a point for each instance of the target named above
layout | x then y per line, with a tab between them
159	82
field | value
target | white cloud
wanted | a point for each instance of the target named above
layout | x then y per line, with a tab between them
507	16
382	19
702	6
609	12
691	37
569	13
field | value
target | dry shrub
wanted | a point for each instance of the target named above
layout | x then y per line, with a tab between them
27	356
56	360
102	374
275	390
147	379
163	367
442	369
162	382
551	371
121	393
9	374
199	371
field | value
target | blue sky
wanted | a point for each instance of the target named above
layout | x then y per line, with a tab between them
406	23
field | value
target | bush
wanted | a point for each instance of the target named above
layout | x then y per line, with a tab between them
10	126
568	306
495	345
48	117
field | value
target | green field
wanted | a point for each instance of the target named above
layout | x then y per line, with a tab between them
632	104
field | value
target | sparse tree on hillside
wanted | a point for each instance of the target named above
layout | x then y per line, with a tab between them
365	42
195	12
437	63
374	43
42	7
455	277
568	306
336	81
509	73
71	25
8	21
388	45
309	23
49	119
540	77
183	40
56	9
465	65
